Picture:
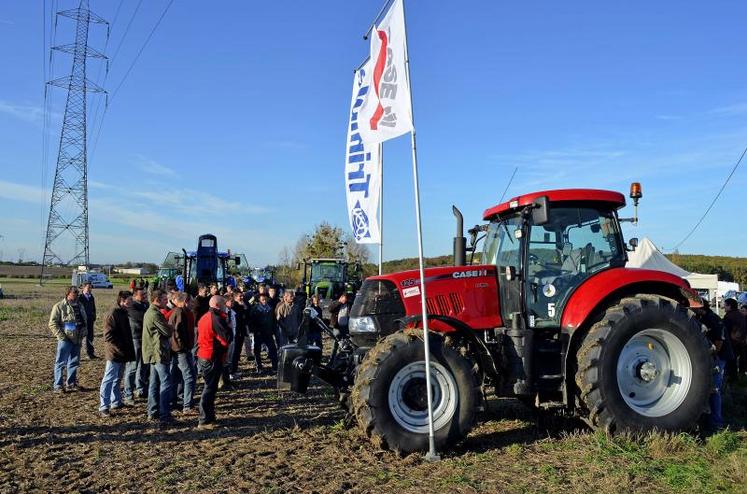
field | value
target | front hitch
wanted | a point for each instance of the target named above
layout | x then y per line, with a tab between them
298	361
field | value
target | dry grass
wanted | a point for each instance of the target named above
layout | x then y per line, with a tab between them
278	442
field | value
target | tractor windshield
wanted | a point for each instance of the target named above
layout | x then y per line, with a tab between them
331	272
501	247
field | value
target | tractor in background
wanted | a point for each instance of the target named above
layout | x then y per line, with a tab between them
206	265
329	278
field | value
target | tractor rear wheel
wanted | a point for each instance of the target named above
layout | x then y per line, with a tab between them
389	395
645	365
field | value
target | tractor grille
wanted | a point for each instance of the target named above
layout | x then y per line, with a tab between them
445	305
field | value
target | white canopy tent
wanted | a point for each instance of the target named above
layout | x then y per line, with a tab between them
647	256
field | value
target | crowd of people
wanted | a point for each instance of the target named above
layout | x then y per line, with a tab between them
158	343
728	338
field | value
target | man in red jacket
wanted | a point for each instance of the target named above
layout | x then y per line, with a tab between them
213	338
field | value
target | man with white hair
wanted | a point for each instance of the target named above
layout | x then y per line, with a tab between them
213	335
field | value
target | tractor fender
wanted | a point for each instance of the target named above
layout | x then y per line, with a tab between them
458	328
588	302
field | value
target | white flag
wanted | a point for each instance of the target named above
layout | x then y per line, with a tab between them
362	165
388	112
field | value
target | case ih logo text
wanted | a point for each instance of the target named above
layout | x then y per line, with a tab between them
470	274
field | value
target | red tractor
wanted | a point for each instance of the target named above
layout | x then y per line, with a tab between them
551	315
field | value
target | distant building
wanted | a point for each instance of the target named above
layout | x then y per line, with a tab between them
132	271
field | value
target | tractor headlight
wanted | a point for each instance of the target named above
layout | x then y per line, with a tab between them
362	325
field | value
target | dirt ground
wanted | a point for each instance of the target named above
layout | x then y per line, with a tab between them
270	441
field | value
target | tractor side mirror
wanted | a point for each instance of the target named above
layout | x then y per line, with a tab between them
633	242
237	260
540	211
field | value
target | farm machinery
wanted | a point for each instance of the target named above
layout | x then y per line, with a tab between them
550	315
205	265
328	279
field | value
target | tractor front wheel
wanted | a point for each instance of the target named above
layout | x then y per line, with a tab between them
645	366
389	395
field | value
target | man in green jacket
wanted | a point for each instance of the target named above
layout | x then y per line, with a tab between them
157	353
68	324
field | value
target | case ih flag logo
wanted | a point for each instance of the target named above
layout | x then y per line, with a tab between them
362	163
387	113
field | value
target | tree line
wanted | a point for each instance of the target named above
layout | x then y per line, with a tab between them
727	268
327	240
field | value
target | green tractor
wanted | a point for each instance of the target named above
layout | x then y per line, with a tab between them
330	278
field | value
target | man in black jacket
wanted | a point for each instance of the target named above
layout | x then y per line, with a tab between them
241	332
718	335
340	313
262	324
136	374
736	325
89	305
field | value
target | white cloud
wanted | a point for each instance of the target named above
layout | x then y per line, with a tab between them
730	110
155	168
196	202
20	192
99	185
27	113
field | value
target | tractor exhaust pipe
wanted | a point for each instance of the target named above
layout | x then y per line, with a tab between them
460	242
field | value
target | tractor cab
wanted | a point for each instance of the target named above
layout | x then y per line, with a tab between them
547	244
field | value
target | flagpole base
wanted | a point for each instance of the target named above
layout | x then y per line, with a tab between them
432	457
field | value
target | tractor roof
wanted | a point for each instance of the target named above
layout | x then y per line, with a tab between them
608	197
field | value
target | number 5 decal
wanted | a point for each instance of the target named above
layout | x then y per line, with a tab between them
551	310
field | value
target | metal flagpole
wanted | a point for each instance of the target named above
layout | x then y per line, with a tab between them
432	455
381	208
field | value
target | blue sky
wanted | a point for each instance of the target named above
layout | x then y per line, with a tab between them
233	120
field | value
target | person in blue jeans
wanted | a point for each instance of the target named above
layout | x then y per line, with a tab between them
136	373
67	321
182	362
157	353
119	350
717	334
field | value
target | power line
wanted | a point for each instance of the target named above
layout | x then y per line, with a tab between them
710	206
96	111
142	48
129	69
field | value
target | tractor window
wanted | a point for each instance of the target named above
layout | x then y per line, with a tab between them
331	272
576	243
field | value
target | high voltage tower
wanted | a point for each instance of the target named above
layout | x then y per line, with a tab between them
67	227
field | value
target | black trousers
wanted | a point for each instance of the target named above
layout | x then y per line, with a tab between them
89	339
238	345
211	372
265	338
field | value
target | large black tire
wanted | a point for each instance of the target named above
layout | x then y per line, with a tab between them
614	351
371	392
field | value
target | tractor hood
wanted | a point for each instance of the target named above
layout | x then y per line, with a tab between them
466	293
